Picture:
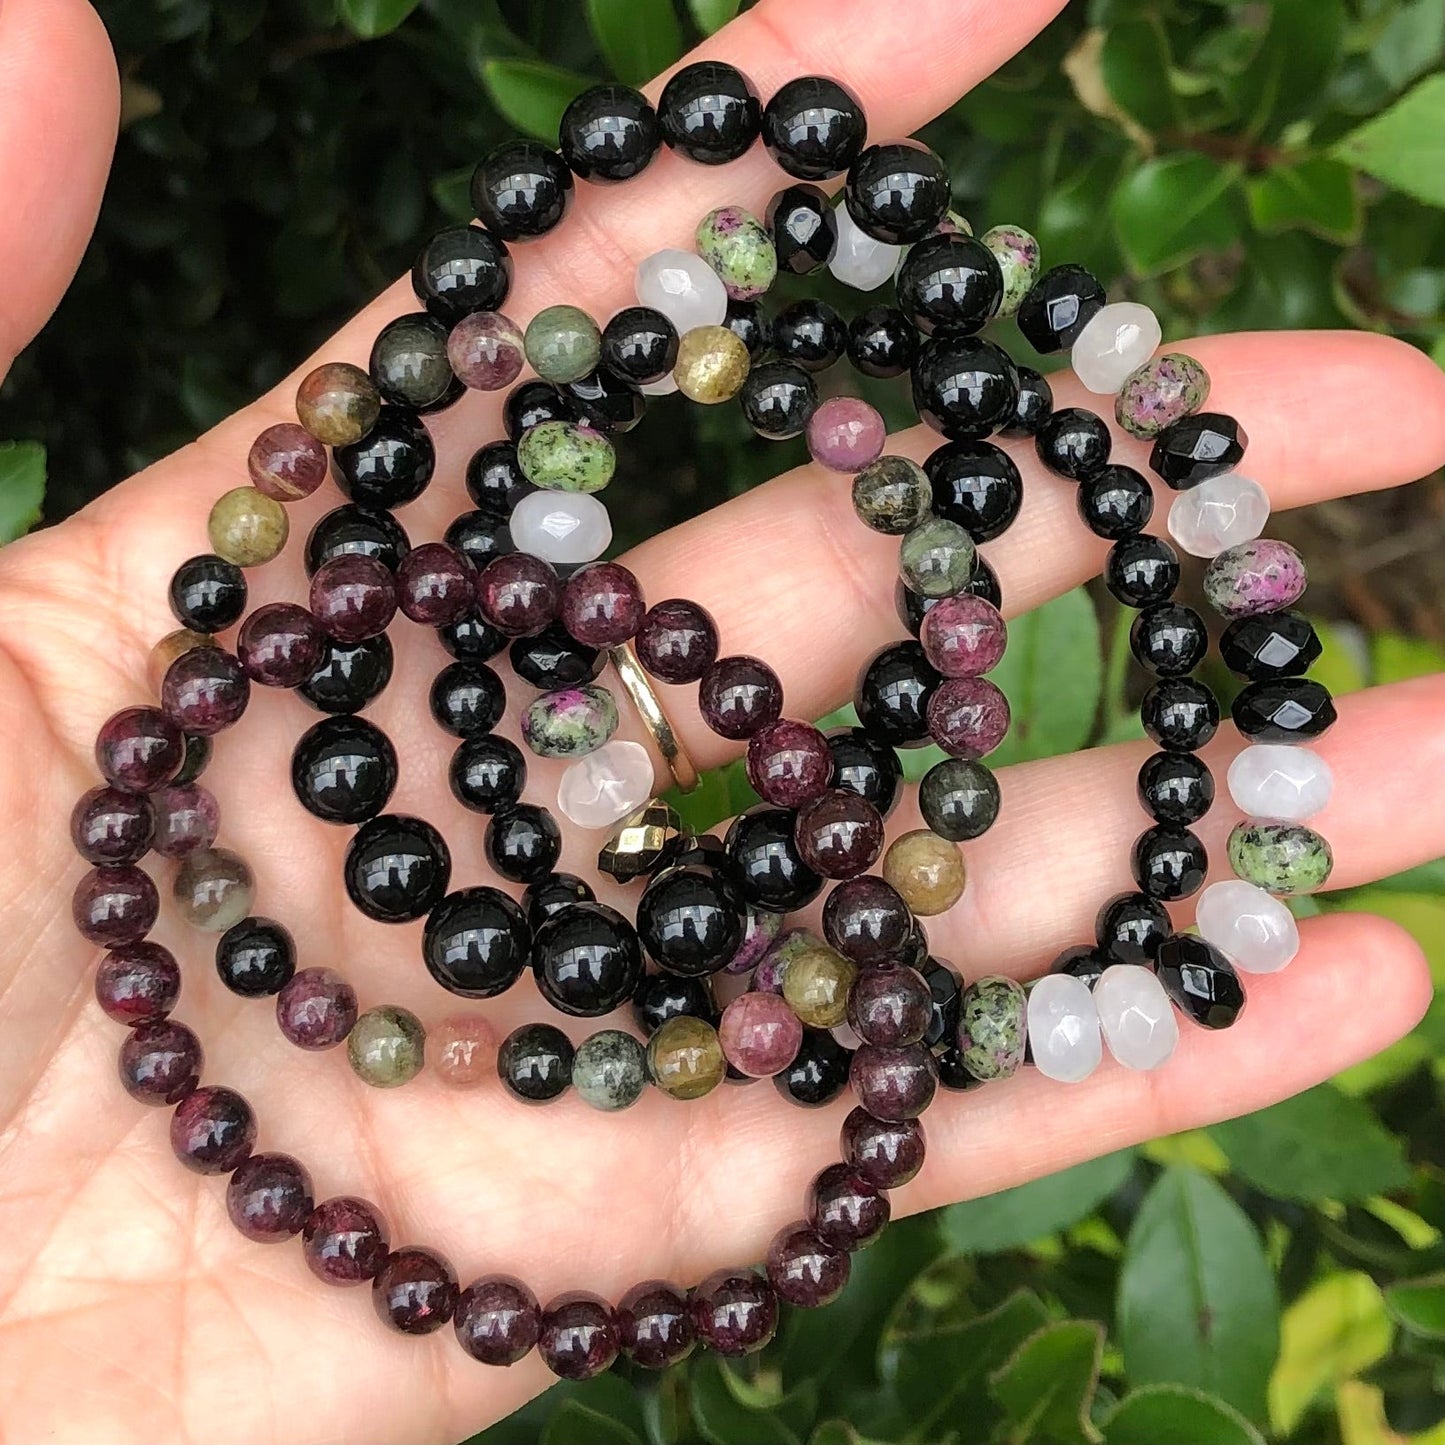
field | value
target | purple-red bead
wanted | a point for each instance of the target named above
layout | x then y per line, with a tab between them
867	921
968	717
760	1034
845	1209
893	1082
739	696
890	1006
735	1311
676	641
205	691
789	763
115	905
518	594
602	605
839	834
415	1291
280	645
316	1008
353	597
887	1153
804	1270
269	1198
187	819
139	749
160	1062
286	462
344	1241
435	585
137	983
845	434
654	1324
963	636
579	1336
486	351
110	825
213	1130
497	1320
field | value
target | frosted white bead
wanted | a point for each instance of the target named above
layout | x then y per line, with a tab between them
683	287
561	527
860	261
605	786
1064	1028
1280	782
665	387
1219	513
1253	929
1136	1016
1114	344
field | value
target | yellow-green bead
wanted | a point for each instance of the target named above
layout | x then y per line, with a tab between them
738	247
816	986
386	1046
926	870
247	527
1017	254
337	403
563	344
565	456
685	1058
1280	857
712	364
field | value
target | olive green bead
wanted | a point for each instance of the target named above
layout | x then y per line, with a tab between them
337	403
1280	857
247	527
609	1070
927	870
213	889
992	1027
563	344
685	1058
566	456
892	495
936	558
816	985
386	1046
712	364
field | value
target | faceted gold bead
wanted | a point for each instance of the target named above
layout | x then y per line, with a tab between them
247	527
685	1058
337	403
927	870
171	646
638	842
816	985
712	365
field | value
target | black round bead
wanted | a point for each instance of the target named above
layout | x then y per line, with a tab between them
352	530
947	990
409	361
587	960
1116	502
949	283
882	342
1034	406
467	699
804	229
964	387
487	773
690	920
984	583
818	1073
770	872
1198	447
533	402
198	758
893	692
609	133
351	675
814	128
256	957
535	1063
476	943
1169	863
960	800
865	766
471	640
391	465
460	270
494	479
1175	788
523	843
1283	710
551	894
810	333
710	112
606	402
897	192
553	659
1169	638
1058	306
1270	644
662	996
750	324
1181	714
1130	927
397	868
344	770
1141	570
977	485
1200	981
521	190
479	536
1074	443
208	594
639	345
1083	963
777	399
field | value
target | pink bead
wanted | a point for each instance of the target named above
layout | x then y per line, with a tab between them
845	434
602	605
760	1034
789	763
463	1050
963	636
486	351
968	717
287	462
434	585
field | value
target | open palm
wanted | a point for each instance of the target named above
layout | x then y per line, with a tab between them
129	1308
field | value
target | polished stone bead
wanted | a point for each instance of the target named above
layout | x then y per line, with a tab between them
859	259
476	943
962	637
497	1320
690	920
208	594
867	921
844	1209
609	133
213	1130
661	996
1180	714
1283	710
523	842
587	959
1169	863
1164	390
738	247
804	231
712	364
355	529
777	398
654	1325
571	722
1082	963
353	598
606	402
386	1046
1117	502
460	270
281	644
810	334
609	1070
110	825
887	1154
139	749
640	842
1140	570
1200	981
683	288
602	605
160	1062
187	820
605	786
518	594
566	456
1175	788
735	1312
1284	858
435	585
685	1057
286	462
396	868
893	1082
819	1073
891	1007
882	342
946	988
677	641
760	1034
788	763
534	1063
769	974
897	192
803	1270
964	387
316	1009
338	403
563	343
1057	308
1034	406
533	403
760	931
486	350
415	1291
1138	1023
344	1241
1063	1028
116	904
1270	645
256	957
865	766
1256	932
816	984
269	1197
977	485
935	559
1286	783
1218	514
213	889
1017	255
639	344
462	1050
949	283
170	650
344	770
552	894
521	190
247	528
772	873
959	799
349	677
968	717
739	696
992	1027
563	528
710	112
845	434
409	361
1113	344
1169	638
1074	443
197	760
1198	447
893	693
892	495
137	983
814	127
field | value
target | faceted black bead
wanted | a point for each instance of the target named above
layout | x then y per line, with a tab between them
1141	570
467	699
460	270
487	773
662	996
1083	963
949	283
208	594
521	190
344	770
532	403
1200	980
1117	502
1074	443
535	1063
391	465
523	842
897	192
690	920
952	1071
609	133
409	362
606	401
351	676
947	989
882	342
1198	447
471	640
256	957
396	868
479	536
818	1073
810	333
865	766
804	229
1130	927
893	692
960	801
477	942
770	873
964	387
1181	714
1283	710
814	128
710	112
552	894
1058	307
1175	788
977	485
587	960
1169	638
494	479
1169	863
1270	644
639	345
1034	406
777	399
352	529
750	324
553	659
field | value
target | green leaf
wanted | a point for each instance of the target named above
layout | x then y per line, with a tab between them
1412	42
1048	1385
1398	658
532	94
370	18
1419	1305
639	38
1317	195
1173	208
711	15
573	1423
1289	73
1197	1301
1018	1216
1405	146
838	1432
723	1420
1135	64
22	487
1175	1412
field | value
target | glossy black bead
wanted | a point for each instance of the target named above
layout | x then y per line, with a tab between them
959	801
208	594
1175	788
977	485
494	479
354	530
471	640
866	766
521	190
1116	502
487	773
1181	714
352	675
391	465
882	342
690	920
804	229
1270	644
701	850
949	283
1141	570
1169	638
460	270
1130	927
533	402
953	1072
1200	981
770	873
777	399
710	112
1083	963
606	402
479	536
750	324
639	345
552	894
818	1073
1283	710
397	868
476	943
553	659
964	387
1074	443
984	583
947	990
1058	306
897	192
1198	447
256	957
1169	863
814	128
409	364
523	843
662	996
198	758
467	699
587	960
810	333
534	1063
893	692
1034	406
344	770
609	133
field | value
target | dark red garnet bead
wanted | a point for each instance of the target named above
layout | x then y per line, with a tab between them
269	1198
344	1241
735	1311
579	1336
654	1321
137	983
415	1291
160	1062
497	1320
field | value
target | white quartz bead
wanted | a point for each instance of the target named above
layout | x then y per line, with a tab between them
605	786
860	261
1136	1016
1114	344
561	527
664	387
1219	513
1281	782
684	288
1252	928
1064	1028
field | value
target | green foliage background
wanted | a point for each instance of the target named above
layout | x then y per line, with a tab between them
1234	163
